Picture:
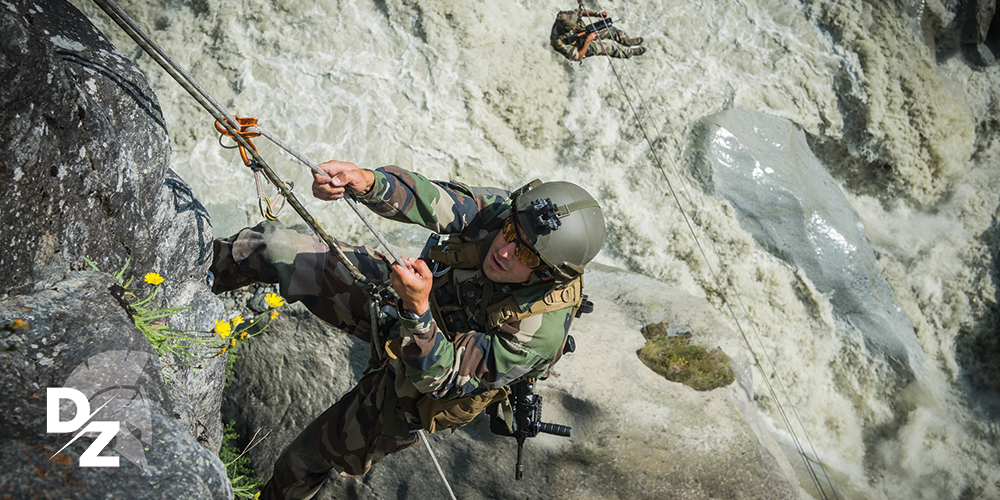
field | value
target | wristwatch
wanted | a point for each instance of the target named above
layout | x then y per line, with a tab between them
409	315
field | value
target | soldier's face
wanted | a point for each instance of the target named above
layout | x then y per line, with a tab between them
501	266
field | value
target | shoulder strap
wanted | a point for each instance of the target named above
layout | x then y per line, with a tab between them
508	311
461	255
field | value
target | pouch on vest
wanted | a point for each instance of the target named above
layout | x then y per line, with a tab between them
509	311
437	414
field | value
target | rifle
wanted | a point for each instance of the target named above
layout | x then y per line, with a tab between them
527	409
605	22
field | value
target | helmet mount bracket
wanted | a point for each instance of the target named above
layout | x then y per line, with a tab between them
544	215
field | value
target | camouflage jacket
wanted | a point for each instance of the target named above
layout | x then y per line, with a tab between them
474	361
567	22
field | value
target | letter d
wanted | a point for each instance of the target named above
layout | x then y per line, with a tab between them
52	397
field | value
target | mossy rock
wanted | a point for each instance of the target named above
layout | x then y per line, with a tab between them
671	354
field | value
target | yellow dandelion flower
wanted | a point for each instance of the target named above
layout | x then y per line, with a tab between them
153	278
232	342
237	320
221	352
243	336
256	495
274	314
222	328
274	300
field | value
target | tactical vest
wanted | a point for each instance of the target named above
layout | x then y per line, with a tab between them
467	258
437	414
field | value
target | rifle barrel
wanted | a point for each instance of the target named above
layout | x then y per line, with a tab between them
519	468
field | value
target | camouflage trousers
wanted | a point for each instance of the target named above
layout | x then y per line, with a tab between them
349	438
366	424
619	45
304	269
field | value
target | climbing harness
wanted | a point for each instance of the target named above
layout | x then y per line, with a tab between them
242	130
807	459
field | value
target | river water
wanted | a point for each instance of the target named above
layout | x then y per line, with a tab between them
471	91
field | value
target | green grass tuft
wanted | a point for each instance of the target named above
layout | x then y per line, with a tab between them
245	482
678	360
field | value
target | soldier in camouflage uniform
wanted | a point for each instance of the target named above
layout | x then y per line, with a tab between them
566	38
452	341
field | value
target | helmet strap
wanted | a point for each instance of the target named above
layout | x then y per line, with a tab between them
544	273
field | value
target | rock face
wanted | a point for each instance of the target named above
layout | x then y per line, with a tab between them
85	148
791	205
634	433
84	168
75	327
976	18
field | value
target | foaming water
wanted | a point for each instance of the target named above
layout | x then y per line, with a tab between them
473	92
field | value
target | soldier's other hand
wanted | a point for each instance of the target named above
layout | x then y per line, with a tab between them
413	284
340	175
604	14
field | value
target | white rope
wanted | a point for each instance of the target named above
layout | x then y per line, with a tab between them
231	124
423	437
349	199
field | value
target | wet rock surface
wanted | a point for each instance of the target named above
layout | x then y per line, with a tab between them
794	209
85	175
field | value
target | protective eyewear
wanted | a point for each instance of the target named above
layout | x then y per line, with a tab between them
522	251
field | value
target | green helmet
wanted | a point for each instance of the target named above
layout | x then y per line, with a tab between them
563	222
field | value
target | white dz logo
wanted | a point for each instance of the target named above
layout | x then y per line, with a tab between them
107	430
107	381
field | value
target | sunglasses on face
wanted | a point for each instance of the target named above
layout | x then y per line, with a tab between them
522	251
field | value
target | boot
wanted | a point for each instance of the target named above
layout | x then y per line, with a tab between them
635	41
638	51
